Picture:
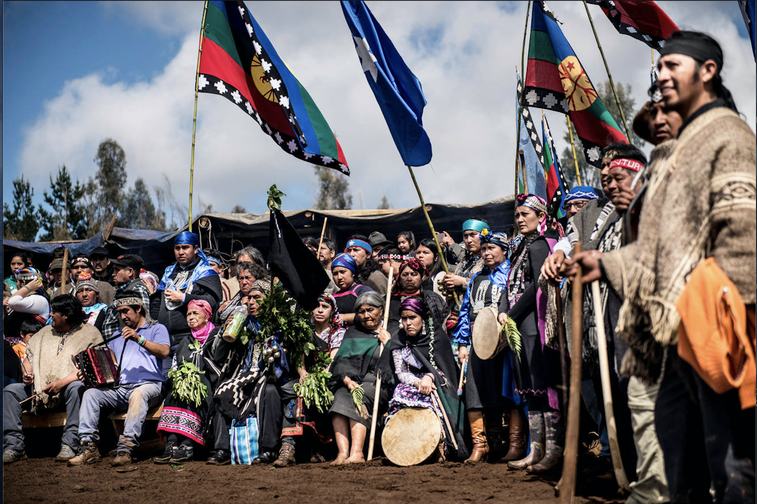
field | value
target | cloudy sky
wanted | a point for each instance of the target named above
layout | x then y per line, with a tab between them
76	73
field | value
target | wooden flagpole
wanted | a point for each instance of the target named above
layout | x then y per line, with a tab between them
433	232
194	119
320	242
573	147
523	171
523	68
609	75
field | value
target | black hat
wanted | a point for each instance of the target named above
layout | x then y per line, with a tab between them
130	261
100	251
377	238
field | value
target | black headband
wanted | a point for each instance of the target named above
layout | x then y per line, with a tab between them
699	49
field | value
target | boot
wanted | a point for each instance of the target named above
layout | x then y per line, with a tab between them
495	435
517	448
286	456
555	443
478	433
536	428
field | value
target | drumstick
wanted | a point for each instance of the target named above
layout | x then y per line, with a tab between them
566	487
372	439
604	373
30	398
446	420
462	377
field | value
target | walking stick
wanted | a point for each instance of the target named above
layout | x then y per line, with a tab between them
372	439
566	487
64	272
323	230
561	340
462	378
446	420
604	373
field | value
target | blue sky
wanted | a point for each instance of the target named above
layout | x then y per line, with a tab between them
76	73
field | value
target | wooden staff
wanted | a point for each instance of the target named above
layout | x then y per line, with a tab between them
463	370
32	397
604	373
64	272
561	340
323	230
194	119
372	439
435	396
573	148
566	487
524	171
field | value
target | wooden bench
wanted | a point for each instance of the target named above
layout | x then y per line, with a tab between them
57	419
153	415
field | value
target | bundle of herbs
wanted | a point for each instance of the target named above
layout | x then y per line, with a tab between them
187	385
314	388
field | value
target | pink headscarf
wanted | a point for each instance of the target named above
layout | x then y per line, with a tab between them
202	334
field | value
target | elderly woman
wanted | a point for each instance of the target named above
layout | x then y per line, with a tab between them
185	424
343	269
426	372
247	274
489	385
537	369
357	364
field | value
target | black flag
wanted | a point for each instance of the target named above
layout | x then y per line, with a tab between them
294	264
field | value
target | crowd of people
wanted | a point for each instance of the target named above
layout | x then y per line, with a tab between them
669	239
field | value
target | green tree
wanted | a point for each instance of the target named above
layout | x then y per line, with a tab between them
104	192
590	174
20	222
384	205
66	219
238	209
138	210
334	190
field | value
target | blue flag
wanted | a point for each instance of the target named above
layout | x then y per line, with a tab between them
397	90
530	147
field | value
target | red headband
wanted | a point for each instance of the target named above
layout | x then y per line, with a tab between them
629	164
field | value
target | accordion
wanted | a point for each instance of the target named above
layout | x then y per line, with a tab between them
98	366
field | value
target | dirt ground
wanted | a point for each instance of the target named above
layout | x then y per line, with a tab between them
42	480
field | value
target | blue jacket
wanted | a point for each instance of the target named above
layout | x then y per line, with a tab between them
497	277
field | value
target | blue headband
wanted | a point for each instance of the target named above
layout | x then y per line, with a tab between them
344	261
212	259
359	243
495	238
186	237
475	225
581	192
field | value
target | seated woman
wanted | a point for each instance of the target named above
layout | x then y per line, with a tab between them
425	372
30	301
357	364
184	423
247	274
343	269
328	335
408	284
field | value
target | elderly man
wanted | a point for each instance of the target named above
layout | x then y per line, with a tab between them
139	352
705	211
190	277
48	370
80	264
86	291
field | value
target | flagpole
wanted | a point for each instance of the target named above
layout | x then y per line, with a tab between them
433	232
573	147
609	75
194	119
522	66
523	170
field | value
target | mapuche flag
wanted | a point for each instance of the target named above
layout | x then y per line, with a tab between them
555	181
642	20
555	80
530	151
240	63
397	90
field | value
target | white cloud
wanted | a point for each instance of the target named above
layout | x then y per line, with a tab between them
467	75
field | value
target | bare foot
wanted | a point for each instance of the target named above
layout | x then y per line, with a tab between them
355	459
340	459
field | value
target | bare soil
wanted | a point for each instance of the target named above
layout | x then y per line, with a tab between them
43	480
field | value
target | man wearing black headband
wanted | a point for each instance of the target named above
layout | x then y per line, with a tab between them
699	203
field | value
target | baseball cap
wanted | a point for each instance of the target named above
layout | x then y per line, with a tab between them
132	261
100	251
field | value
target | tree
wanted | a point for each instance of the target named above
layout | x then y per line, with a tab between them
384	205
21	222
238	209
66	219
138	211
104	193
590	174
334	187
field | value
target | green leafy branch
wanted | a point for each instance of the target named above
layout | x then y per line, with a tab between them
187	385
513	336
